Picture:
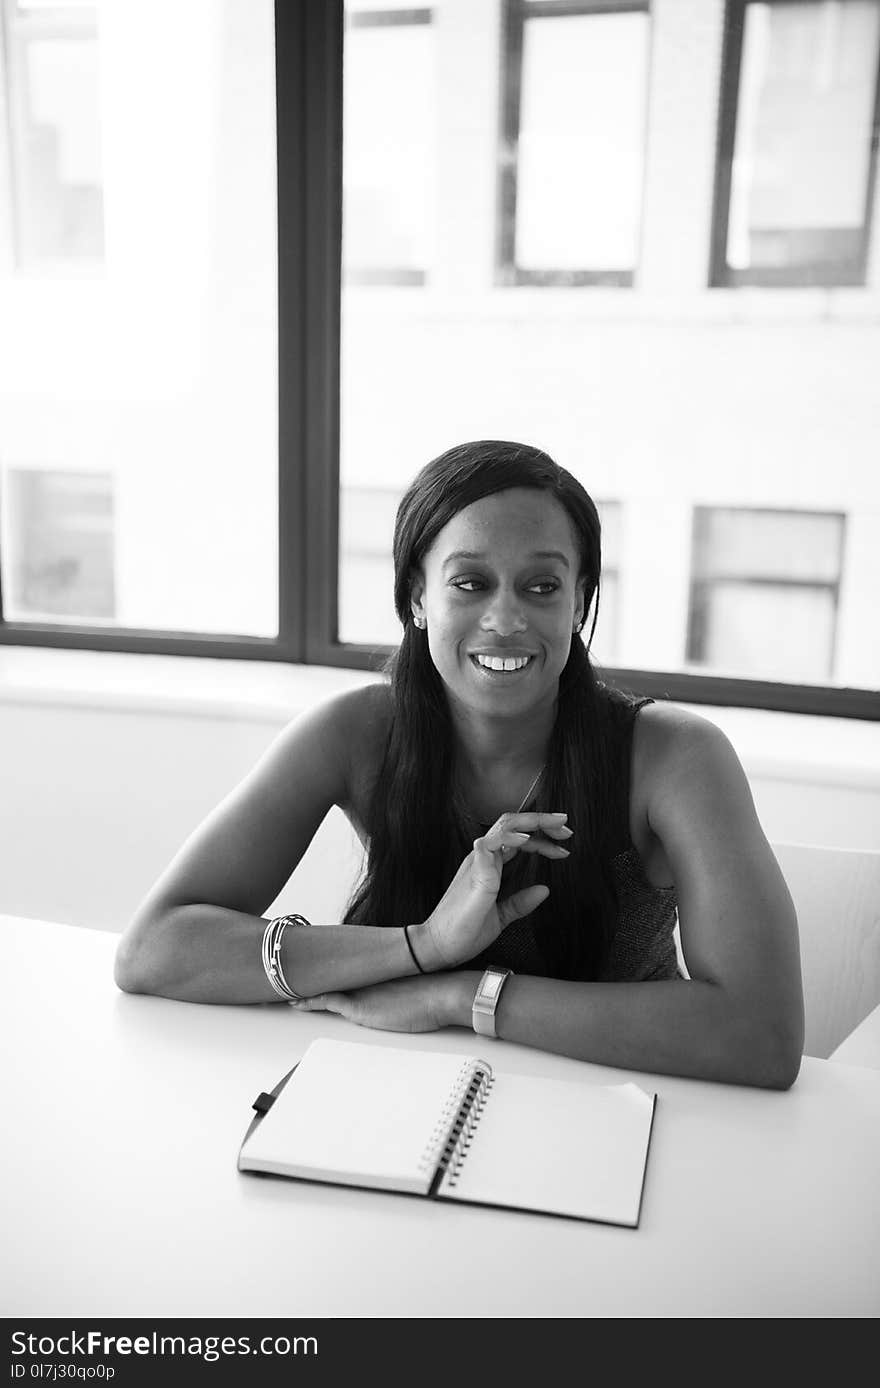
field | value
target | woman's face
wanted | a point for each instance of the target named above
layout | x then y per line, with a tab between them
500	587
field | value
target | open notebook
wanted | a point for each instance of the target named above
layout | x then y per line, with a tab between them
433	1124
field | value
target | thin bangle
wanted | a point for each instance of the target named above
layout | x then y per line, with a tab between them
411	950
271	954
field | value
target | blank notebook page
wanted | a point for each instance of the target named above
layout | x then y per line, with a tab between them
360	1114
558	1146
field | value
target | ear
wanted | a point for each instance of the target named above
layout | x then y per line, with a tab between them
416	595
580	604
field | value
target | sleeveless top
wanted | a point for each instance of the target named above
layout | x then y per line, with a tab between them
643	947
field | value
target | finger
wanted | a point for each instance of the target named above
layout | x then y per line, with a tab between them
534	822
322	1002
545	847
522	903
498	839
531	819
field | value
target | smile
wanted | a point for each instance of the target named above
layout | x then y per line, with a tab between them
506	665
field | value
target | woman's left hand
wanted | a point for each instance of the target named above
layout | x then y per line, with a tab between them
422	1003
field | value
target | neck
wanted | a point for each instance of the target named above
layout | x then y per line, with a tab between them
486	743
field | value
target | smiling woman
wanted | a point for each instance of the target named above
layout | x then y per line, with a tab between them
532	836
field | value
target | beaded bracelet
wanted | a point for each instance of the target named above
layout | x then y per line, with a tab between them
272	937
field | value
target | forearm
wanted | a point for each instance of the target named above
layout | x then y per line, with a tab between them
694	1029
201	953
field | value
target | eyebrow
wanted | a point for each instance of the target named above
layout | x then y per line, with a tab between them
467	554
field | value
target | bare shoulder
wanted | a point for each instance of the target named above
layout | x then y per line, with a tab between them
666	734
361	716
358	721
685	767
345	729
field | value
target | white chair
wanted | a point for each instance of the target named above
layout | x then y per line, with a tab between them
836	893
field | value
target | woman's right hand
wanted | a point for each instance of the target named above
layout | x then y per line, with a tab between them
469	916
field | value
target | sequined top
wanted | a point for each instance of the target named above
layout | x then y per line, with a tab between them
643	947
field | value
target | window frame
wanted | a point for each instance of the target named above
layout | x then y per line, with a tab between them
701	584
308	79
848	274
309	40
515	14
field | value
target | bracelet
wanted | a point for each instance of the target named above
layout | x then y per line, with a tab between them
272	937
411	950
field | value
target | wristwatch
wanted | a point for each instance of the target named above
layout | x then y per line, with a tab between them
486	1000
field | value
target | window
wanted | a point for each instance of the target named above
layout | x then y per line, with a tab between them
202	446
572	154
56	172
764	592
798	142
388	171
58	535
157	376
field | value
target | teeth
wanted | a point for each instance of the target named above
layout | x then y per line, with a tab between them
496	662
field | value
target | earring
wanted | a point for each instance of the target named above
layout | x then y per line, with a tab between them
419	622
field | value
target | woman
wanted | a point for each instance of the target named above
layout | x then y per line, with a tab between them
517	815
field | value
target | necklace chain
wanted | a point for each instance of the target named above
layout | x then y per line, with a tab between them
529	792
522	804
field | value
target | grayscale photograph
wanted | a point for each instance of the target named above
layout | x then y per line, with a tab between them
439	673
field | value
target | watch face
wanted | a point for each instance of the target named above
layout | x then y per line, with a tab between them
490	988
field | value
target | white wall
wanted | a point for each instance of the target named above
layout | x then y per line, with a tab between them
110	761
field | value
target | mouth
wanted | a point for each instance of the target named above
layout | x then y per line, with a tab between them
505	668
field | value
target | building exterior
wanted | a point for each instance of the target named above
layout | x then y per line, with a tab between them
608	230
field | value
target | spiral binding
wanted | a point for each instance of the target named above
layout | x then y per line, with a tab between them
462	1134
437	1143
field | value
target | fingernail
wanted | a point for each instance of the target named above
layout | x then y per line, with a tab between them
558	814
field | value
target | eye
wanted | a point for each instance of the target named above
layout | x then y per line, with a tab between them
545	586
468	584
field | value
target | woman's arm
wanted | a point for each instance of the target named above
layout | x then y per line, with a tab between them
740	1017
197	937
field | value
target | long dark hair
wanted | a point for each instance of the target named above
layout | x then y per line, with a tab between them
417	836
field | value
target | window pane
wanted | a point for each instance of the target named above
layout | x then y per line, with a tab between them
59	163
767	544
160	373
366	529
743	621
769	632
58	536
388	163
803	137
758	410
581	142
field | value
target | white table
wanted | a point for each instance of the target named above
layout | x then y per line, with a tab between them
862	1046
120	1192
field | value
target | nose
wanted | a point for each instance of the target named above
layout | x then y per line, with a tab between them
504	614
